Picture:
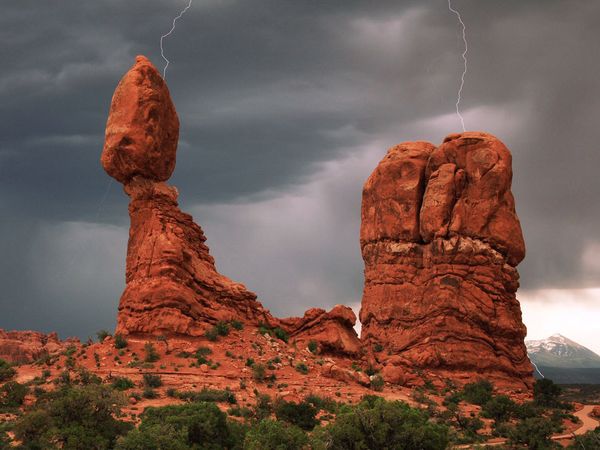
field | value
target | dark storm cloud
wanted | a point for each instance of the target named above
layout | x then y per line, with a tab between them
275	98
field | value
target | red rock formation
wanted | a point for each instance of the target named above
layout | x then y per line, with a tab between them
172	284
28	346
440	239
332	331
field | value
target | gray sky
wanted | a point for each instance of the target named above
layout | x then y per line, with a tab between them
286	106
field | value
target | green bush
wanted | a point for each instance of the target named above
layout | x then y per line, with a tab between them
377	383
120	341
152	381
379	424
212	334
534	432
149	393
500	408
259	372
222	328
299	414
237	325
546	393
280	334
122	383
199	425
302	368
478	393
264	407
6	371
155	437
73	418
249	362
589	440
313	346
208	395
12	394
322	403
273	435
151	353
102	334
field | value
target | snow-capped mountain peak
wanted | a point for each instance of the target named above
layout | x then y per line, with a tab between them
560	351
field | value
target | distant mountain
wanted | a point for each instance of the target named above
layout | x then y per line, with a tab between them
564	361
559	351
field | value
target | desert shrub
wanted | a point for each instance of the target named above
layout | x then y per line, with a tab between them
73	418
222	328
12	394
302	368
259	372
240	411
277	332
208	395
534	432
198	425
152	381
500	408
120	341
377	383
212	334
379	424
151	353
378	348
149	393
237	325
6	370
526	410
478	393
122	383
84	376
281	334
274	435
322	403
201	354
313	346
300	414
155	437
546	393
102	334
249	362
264	407
589	440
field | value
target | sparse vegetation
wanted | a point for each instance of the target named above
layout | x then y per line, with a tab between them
151	353
302	368
102	334
313	346
122	383
6	371
120	341
152	381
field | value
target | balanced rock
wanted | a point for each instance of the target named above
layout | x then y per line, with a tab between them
440	240
172	285
142	128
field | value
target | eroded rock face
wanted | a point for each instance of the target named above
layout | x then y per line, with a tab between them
28	346
172	284
440	239
333	331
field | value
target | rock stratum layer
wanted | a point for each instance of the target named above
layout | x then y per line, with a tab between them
441	241
172	284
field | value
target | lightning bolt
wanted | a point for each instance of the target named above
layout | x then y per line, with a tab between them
536	368
162	52
464	57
